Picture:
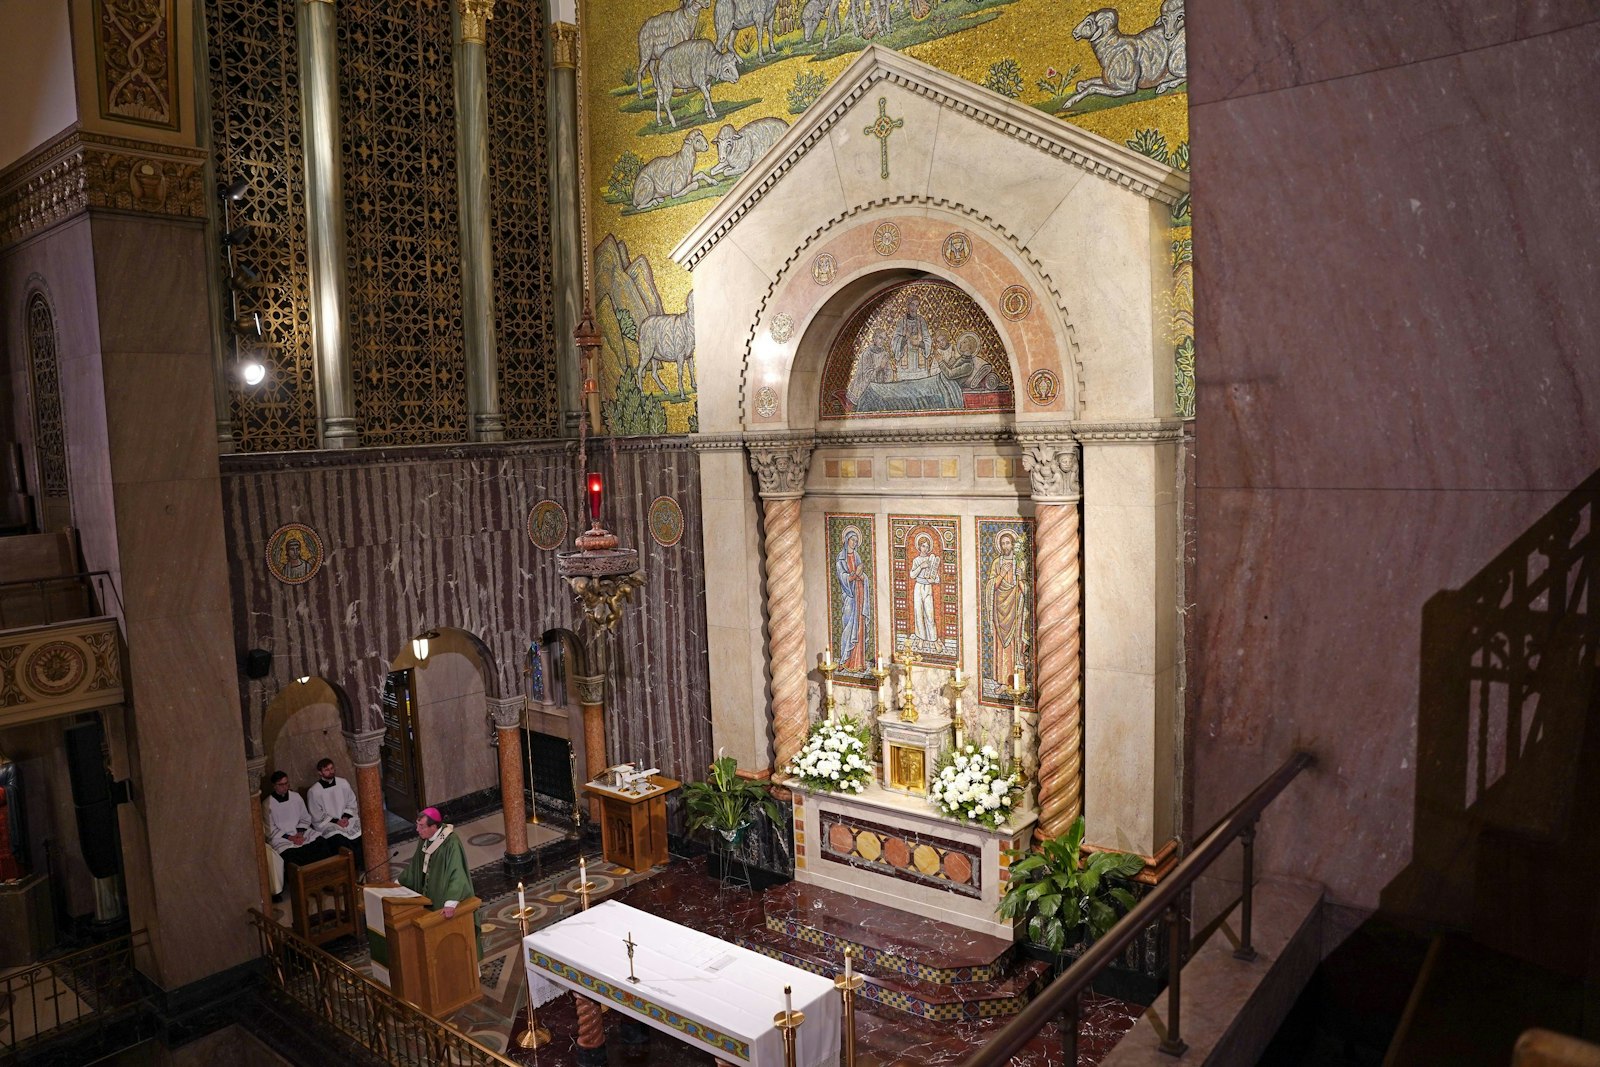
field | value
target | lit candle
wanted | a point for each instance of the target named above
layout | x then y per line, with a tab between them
880	662
847	967
788	1003
958	674
1016	679
583	871
595	487
827	656
522	900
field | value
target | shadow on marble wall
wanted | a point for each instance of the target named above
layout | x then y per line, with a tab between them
1506	844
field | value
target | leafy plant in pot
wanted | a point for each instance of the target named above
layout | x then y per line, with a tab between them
1064	900
726	804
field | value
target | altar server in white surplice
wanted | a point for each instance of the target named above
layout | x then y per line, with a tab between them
334	812
290	831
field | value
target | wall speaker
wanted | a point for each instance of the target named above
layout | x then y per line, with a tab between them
257	663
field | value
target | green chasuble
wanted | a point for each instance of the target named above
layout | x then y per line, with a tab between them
447	877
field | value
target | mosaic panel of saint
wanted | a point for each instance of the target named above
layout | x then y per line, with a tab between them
918	348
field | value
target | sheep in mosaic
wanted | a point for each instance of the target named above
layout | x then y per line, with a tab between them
731	16
665	177
738	149
1128	64
661	32
694	64
668	339
824	13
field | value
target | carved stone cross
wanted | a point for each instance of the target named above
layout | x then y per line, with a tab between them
881	129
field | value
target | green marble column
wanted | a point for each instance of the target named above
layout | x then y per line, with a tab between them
325	242
566	220
472	183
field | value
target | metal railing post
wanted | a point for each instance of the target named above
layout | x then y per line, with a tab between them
1173	1044
1070	1012
1247	837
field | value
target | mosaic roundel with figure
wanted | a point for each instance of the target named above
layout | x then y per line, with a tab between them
294	553
547	525
666	521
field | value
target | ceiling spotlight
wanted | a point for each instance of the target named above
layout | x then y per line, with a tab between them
248	324
245	275
253	372
238	236
235	190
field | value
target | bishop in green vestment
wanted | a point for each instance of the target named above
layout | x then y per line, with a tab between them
438	869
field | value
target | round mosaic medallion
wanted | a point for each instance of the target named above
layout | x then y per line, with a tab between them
766	402
823	268
886	239
782	327
1015	302
666	521
55	668
547	525
1043	387
957	249
294	553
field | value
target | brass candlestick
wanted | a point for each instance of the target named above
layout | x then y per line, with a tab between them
908	698
1016	693
826	667
847	984
535	1036
527	753
788	1020
957	685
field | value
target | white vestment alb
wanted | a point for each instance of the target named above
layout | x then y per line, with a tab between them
284	818
330	803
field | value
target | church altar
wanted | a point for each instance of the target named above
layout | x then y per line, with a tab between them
895	849
710	993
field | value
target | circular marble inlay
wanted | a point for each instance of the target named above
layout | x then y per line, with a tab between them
666	521
896	852
823	268
926	858
840	837
957	868
766	402
868	847
886	239
547	525
1043	387
1015	302
957	249
782	327
294	553
485	839
55	668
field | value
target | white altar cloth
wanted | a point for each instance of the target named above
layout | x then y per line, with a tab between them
713	994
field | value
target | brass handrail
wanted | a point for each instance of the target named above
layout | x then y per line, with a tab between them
85	988
366	1011
1061	996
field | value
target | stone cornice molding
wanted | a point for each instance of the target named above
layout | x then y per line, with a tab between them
906	436
717	442
563	46
506	711
365	746
1104	158
259	462
1128	432
780	462
78	170
1054	473
475	16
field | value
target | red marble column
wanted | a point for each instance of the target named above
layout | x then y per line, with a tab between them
364	748
591	1031
508	724
594	734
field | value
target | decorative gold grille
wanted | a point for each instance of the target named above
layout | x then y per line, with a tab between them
519	183
397	101
49	433
255	133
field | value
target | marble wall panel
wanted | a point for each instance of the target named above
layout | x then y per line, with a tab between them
1241	47
169	538
1433	282
1119	760
146	449
453	728
150	284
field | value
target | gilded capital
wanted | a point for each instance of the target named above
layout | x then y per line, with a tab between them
563	46
475	16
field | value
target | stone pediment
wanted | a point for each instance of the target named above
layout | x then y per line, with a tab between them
989	113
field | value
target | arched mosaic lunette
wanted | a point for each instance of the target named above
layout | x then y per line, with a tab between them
822	232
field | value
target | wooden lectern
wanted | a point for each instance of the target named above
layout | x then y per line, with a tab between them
633	826
433	961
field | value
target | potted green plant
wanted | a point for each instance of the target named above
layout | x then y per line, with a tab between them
1063	899
726	804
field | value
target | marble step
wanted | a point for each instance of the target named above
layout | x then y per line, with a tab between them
938	1001
885	939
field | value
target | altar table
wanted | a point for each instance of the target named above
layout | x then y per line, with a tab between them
714	995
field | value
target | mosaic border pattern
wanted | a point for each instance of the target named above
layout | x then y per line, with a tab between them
827	820
638	1005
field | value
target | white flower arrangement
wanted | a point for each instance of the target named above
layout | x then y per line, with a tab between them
971	783
834	756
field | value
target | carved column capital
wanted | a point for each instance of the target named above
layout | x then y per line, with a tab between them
507	711
1053	469
475	16
589	688
255	768
364	746
781	467
563	46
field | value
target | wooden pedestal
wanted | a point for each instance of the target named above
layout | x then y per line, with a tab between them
633	827
433	961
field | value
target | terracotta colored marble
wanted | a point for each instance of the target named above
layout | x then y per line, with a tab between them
374	827
516	812
594	749
1060	670
786	631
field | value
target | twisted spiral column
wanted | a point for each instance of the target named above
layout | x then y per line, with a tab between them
1059	626
786	628
591	1030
